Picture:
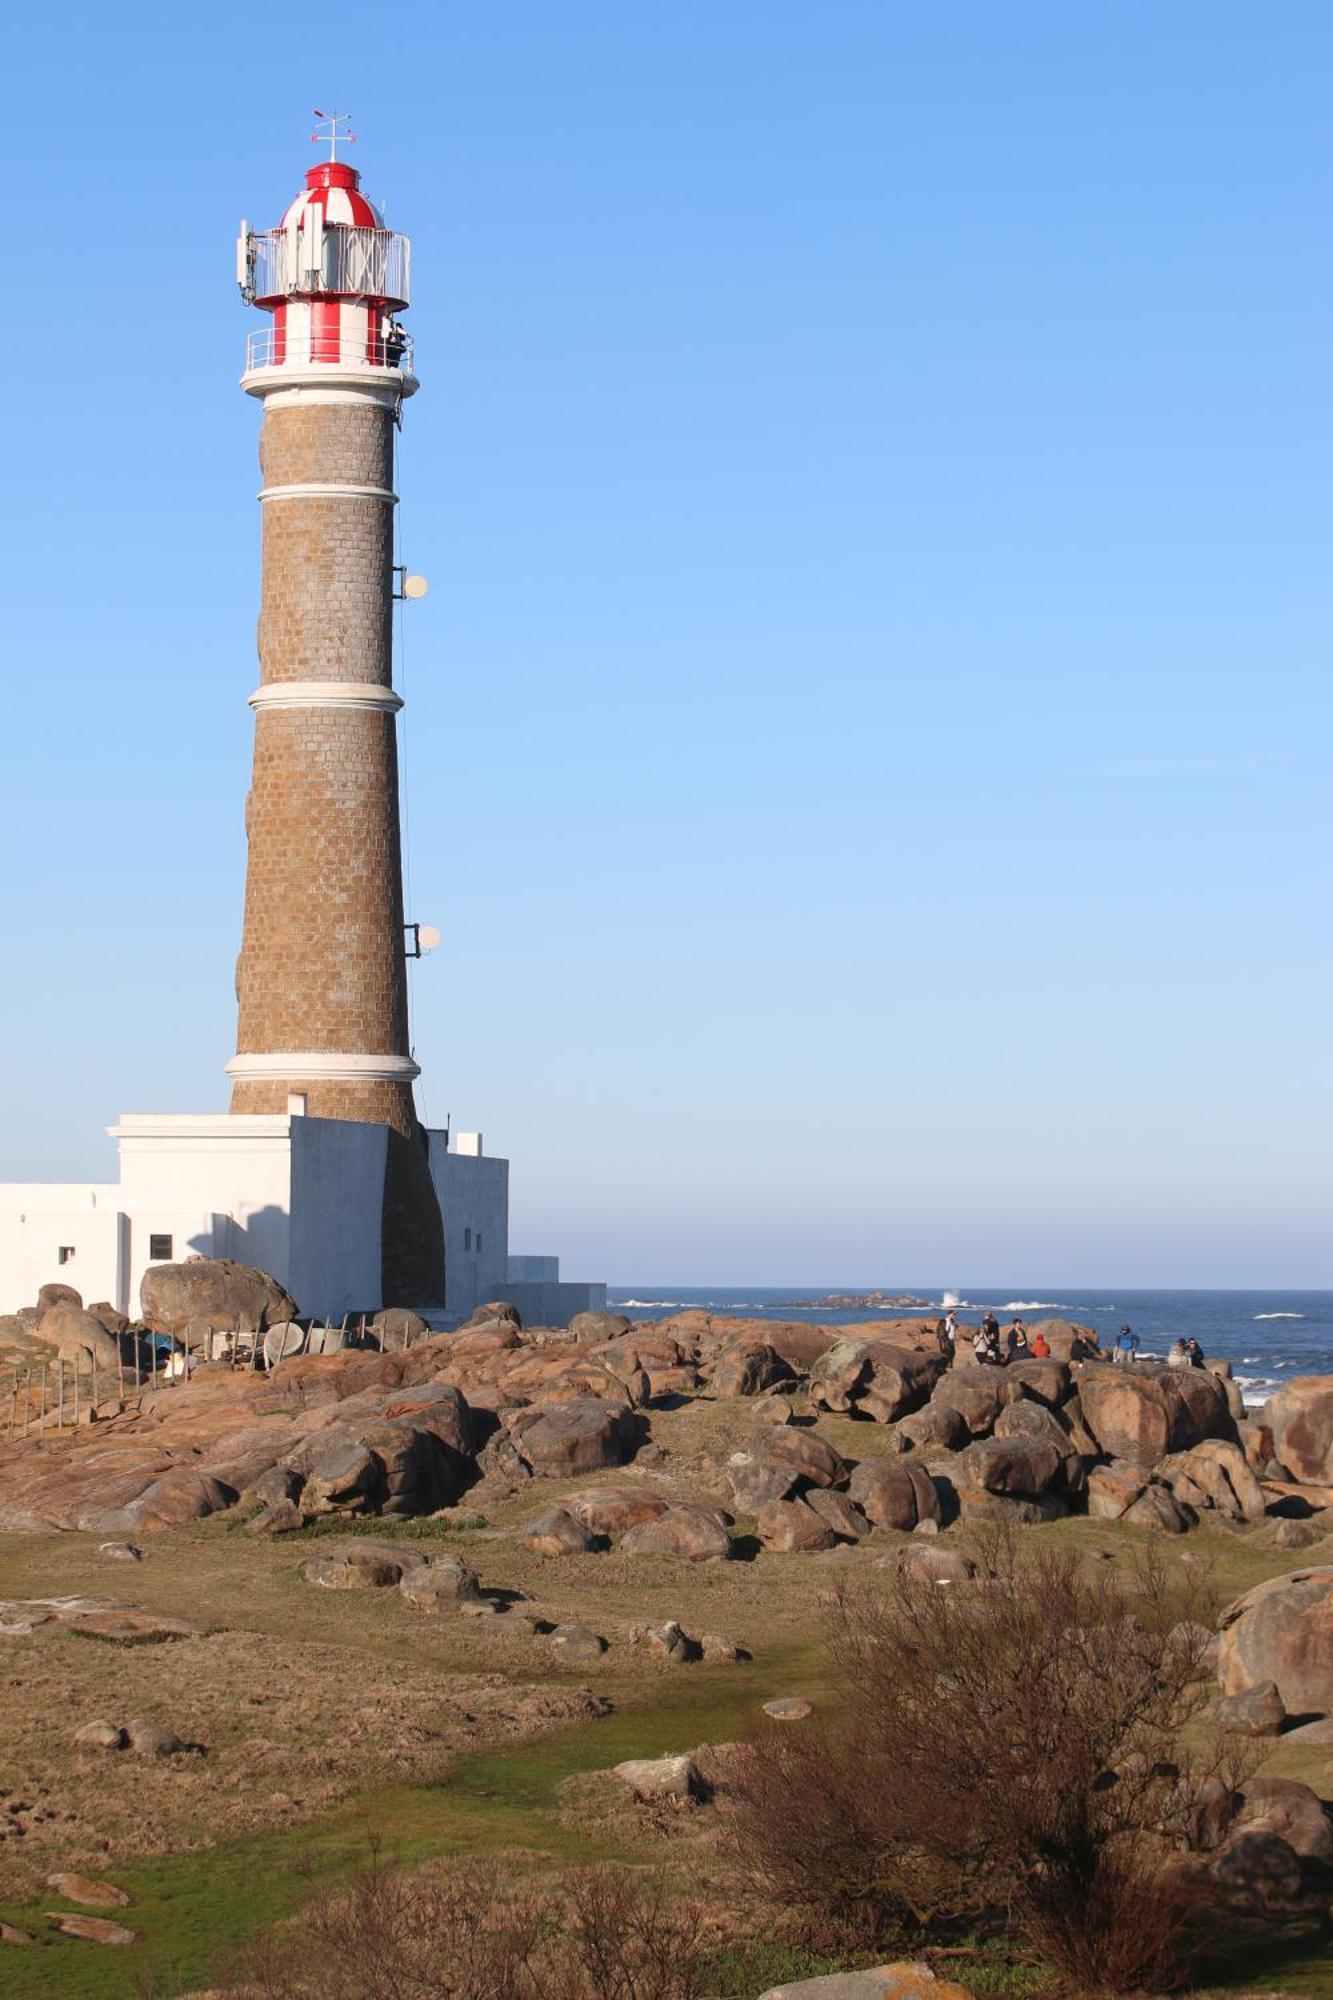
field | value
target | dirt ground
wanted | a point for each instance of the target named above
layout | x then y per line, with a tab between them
304	1698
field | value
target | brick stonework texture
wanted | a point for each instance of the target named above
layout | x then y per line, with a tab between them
322	963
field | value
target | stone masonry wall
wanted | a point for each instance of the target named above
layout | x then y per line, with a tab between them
322	964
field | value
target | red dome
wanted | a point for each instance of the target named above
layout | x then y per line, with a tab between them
336	188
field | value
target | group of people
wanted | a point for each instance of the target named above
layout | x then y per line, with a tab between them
1182	1353
991	1348
996	1350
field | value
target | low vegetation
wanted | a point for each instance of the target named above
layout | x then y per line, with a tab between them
1015	1749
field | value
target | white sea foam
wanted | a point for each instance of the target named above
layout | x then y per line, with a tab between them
621	1303
1031	1306
1279	1315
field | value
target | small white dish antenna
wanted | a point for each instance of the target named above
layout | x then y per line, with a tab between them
415	586
429	936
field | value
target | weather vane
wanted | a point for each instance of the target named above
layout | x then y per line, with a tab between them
333	119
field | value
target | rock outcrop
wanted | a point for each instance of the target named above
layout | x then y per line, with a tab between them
1282	1632
211	1292
1300	1420
1143	1413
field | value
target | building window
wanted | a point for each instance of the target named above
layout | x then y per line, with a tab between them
479	1242
467	1239
159	1249
65	1254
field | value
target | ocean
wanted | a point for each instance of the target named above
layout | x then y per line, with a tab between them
1266	1336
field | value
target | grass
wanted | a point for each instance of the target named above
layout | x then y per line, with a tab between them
327	1665
191	1910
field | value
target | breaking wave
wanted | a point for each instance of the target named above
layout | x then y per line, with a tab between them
1279	1315
1031	1306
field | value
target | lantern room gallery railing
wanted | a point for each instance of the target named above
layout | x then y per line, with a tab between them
273	347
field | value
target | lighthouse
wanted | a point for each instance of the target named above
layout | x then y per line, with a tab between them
320	1172
321	981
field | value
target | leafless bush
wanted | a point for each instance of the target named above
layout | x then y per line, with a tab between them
464	1932
1015	1744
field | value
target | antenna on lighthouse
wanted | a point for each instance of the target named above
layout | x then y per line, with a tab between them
333	119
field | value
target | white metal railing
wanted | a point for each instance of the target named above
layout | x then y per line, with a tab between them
338	259
274	347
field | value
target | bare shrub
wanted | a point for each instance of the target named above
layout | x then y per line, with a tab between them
630	1940
1015	1744
465	1932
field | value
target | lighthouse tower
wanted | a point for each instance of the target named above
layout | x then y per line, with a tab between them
321	981
320	1172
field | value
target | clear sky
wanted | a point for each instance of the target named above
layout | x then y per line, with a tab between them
868	738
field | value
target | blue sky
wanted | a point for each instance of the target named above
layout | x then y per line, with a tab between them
867	740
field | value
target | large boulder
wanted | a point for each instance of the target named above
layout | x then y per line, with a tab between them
935	1425
1046	1382
360	1565
439	1584
1158	1509
1113	1489
1035	1420
613	1510
179	1496
1291	1810
1282	1631
756	1483
587	1329
801	1453
58	1295
894	1493
654	1778
78	1337
396	1328
557	1533
879	1377
211	1292
791	1526
1300	1417
568	1438
747	1369
1144	1413
1215	1474
696	1534
978	1395
1021	1467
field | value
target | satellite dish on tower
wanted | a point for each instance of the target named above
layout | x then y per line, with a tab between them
415	586
429	936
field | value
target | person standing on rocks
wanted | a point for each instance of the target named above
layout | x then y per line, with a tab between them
1126	1346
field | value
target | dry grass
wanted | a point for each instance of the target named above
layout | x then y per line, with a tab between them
305	1696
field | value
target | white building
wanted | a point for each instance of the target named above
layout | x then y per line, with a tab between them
300	1197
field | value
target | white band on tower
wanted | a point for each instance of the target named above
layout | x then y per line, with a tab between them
328	489
326	694
324	1066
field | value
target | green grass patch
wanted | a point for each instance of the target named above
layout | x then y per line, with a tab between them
192	1910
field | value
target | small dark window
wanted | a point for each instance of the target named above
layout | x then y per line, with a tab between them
467	1239
65	1253
479	1239
159	1249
